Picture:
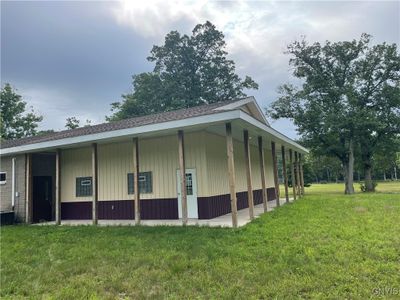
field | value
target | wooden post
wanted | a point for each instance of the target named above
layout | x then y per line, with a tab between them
293	174
248	174
182	170
297	173
262	169
28	188
136	179
231	173
95	196
301	174
58	186
285	178
275	169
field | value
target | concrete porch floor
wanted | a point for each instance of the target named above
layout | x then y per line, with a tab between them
221	221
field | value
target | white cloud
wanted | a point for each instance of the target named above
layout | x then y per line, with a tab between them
257	33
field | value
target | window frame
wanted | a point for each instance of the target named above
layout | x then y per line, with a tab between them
78	186
2	182
143	188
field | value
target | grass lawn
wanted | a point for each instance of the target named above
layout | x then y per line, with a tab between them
325	245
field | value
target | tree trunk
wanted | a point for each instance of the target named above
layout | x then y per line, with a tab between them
384	175
349	171
369	186
395	173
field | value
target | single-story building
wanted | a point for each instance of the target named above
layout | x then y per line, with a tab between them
227	151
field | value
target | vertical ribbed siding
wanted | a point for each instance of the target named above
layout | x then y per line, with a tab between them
74	163
217	168
115	161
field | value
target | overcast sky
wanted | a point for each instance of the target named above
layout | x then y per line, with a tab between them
75	58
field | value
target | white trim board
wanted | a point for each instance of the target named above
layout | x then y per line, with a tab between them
247	101
152	128
249	119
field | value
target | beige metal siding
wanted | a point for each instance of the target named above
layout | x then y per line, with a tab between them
218	168
5	190
204	152
74	163
115	161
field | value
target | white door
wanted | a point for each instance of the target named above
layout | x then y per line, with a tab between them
191	190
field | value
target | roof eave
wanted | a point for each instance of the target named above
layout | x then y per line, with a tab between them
128	132
223	116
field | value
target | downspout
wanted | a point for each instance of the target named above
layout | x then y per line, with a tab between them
13	183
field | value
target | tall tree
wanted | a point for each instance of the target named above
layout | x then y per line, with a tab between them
189	70
336	93
15	120
379	112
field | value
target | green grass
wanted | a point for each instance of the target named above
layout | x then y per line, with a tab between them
325	245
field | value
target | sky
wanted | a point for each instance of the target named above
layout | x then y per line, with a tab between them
74	58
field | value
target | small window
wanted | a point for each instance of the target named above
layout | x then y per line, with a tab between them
189	184
145	183
3	176
83	186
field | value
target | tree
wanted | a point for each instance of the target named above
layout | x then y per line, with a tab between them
379	121
324	168
15	121
387	158
73	123
336	94
189	70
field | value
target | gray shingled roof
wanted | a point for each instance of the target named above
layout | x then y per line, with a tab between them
180	114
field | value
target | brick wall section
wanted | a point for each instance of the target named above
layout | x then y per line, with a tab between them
5	190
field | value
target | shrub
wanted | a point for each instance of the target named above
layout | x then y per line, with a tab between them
363	187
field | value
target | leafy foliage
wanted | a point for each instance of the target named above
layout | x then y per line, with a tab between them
73	123
15	121
189	70
349	97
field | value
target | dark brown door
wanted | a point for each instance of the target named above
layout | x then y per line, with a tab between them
42	198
